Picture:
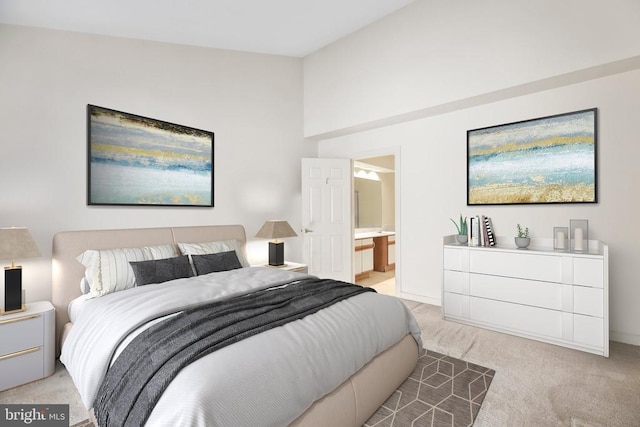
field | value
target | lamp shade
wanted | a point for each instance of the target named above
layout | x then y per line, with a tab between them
276	230
16	242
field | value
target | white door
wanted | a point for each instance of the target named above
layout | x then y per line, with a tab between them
326	217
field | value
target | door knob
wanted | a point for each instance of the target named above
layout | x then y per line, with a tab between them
306	230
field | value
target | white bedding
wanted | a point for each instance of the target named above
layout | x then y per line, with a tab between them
269	379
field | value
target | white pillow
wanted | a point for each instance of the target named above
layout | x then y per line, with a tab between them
84	286
214	248
108	270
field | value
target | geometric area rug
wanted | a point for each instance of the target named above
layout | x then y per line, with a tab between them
441	392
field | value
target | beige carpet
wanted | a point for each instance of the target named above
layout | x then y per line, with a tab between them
536	384
539	384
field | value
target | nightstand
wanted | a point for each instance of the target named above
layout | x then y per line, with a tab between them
290	266
27	345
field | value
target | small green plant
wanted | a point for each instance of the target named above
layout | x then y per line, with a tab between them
462	227
521	232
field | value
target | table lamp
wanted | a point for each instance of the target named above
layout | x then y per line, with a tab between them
276	230
15	242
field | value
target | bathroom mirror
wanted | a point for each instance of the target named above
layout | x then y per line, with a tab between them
367	203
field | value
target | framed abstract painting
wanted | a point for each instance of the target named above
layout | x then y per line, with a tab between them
545	160
135	160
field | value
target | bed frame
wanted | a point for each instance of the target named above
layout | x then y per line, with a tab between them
351	404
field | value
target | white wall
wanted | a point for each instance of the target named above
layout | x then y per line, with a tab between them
433	186
435	52
419	62
252	102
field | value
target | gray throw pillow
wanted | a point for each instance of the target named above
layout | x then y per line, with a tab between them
161	270
213	263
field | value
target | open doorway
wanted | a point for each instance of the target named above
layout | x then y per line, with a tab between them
374	202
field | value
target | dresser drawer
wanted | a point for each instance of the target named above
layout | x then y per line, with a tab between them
456	305
588	330
588	301
588	272
547	268
517	318
19	333
456	281
21	368
452	259
521	291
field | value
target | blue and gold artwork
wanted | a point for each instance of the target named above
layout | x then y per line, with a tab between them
546	160
135	160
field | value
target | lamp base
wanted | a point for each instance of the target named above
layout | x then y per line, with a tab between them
2	312
12	289
276	253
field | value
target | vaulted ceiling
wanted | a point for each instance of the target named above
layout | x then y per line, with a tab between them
280	27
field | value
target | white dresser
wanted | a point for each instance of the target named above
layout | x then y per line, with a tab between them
27	348
556	297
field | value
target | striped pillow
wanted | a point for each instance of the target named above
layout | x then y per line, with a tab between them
108	270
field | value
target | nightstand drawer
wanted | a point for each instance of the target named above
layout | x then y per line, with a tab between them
20	333
21	368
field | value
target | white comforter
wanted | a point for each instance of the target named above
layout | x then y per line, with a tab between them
267	380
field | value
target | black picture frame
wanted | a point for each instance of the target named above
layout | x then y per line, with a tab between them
134	160
547	160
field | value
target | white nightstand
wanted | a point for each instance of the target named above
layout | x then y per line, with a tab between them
290	266
27	345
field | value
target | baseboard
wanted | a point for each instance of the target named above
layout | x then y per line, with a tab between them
419	298
624	337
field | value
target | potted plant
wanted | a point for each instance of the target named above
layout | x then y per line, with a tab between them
462	229
523	240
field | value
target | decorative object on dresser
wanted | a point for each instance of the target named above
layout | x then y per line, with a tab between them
27	348
15	242
579	229
546	160
461	226
557	297
490	239
480	231
522	239
561	239
474	231
135	160
276	229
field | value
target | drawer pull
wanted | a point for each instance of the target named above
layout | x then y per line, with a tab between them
18	319
19	353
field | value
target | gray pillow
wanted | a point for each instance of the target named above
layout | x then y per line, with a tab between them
161	270
213	263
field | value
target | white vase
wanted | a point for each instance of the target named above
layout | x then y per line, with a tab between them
462	238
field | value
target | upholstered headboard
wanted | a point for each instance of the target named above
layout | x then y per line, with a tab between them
67	245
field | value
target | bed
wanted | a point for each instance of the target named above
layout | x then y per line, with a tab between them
343	392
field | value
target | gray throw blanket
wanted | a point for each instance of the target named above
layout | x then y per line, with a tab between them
139	376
